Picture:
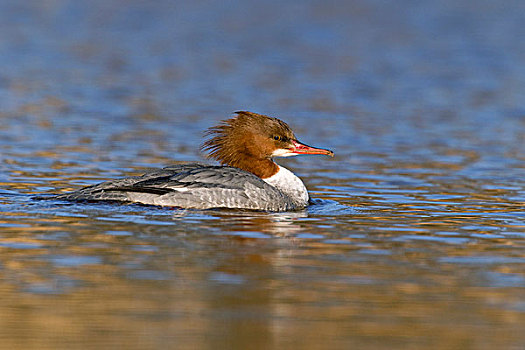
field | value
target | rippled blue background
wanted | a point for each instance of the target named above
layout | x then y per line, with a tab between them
417	241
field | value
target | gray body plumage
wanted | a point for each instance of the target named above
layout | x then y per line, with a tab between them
192	185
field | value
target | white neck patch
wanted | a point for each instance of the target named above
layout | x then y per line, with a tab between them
286	181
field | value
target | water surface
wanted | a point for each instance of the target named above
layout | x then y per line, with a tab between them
417	236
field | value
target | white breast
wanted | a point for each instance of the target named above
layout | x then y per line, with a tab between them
289	184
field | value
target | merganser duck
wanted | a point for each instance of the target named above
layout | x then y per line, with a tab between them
247	179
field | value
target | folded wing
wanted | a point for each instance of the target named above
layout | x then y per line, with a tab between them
191	185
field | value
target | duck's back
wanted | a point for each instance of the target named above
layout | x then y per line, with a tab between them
191	185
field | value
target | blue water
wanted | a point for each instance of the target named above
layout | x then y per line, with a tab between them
417	234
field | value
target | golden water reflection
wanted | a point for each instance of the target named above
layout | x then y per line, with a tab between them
138	277
417	237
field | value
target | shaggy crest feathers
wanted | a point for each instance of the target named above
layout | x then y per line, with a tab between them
244	138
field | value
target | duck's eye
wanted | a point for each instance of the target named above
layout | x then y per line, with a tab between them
277	138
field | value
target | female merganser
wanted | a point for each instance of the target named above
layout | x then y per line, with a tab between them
247	179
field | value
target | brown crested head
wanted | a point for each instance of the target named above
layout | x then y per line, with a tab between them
247	134
249	140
